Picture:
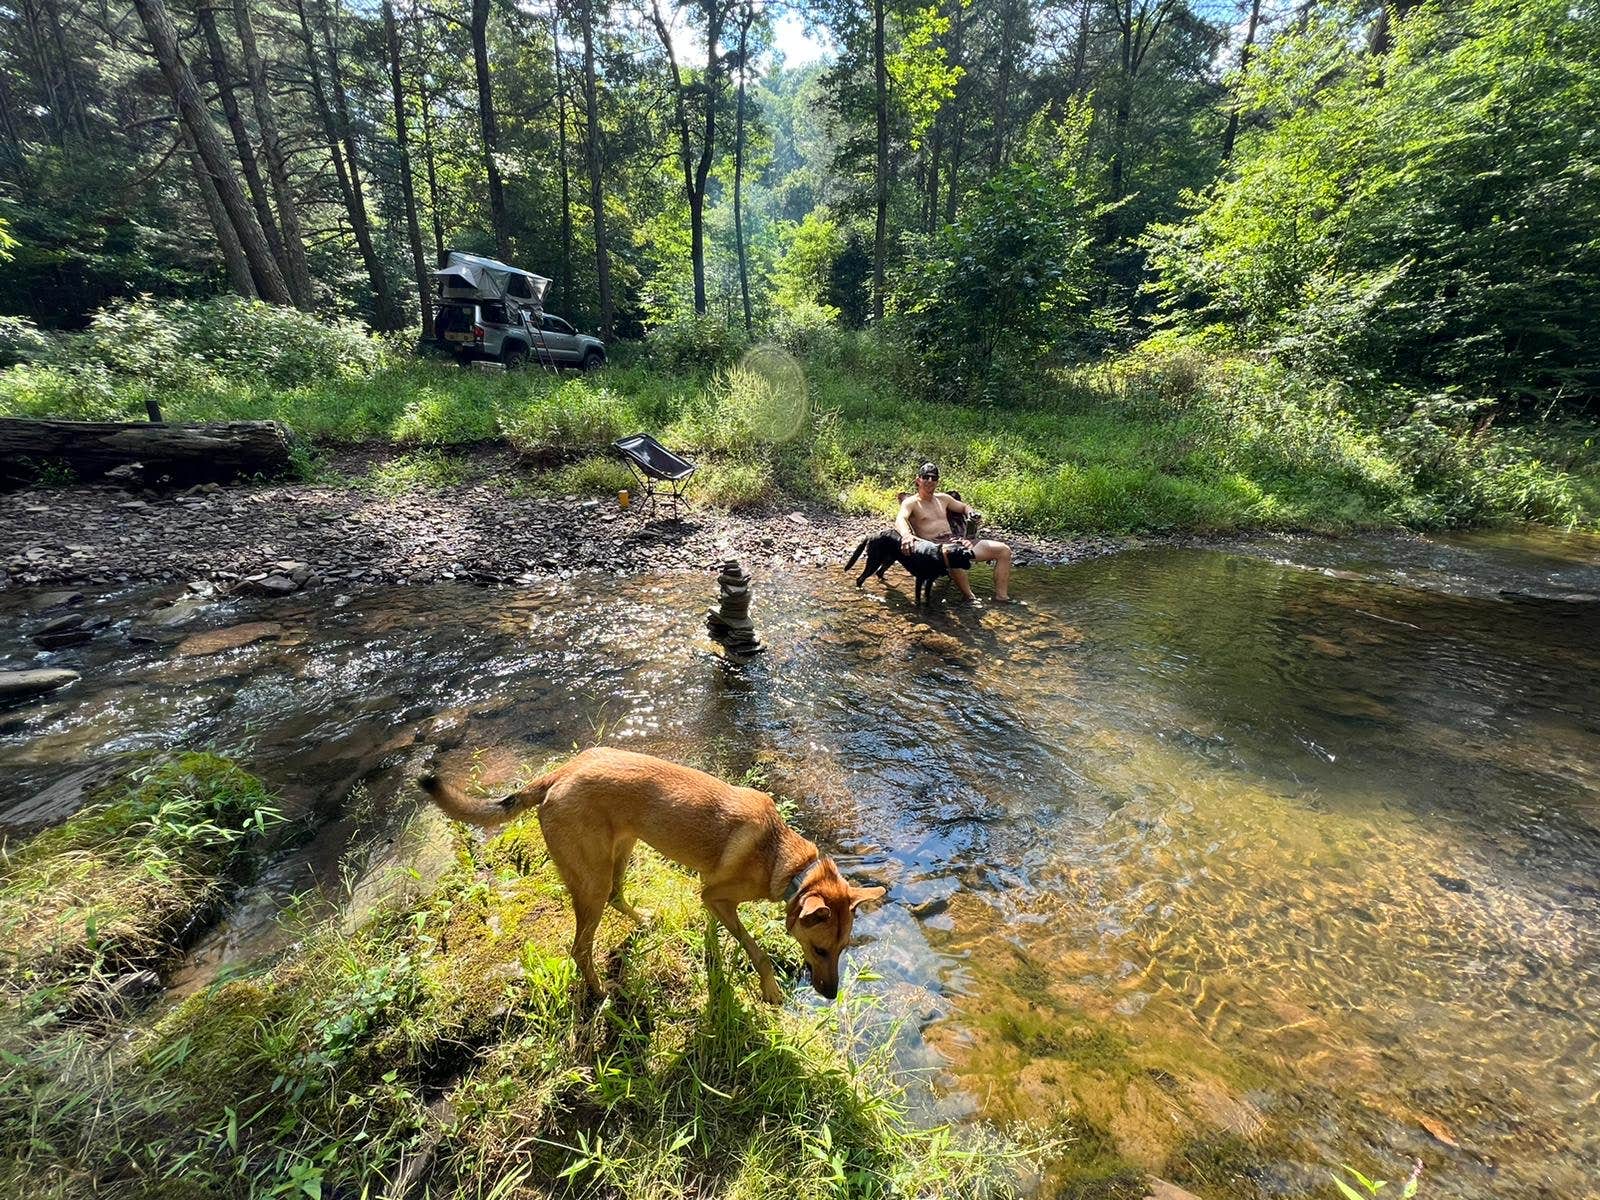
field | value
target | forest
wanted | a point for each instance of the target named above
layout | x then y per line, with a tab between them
1318	264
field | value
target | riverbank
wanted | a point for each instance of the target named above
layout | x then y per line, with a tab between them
434	1039
1160	440
489	521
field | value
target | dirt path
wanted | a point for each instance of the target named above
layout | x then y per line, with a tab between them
319	535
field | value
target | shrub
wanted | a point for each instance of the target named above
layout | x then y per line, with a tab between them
695	344
22	341
806	328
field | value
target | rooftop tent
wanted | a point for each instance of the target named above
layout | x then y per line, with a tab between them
469	277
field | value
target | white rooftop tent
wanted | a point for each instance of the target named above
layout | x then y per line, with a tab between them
469	277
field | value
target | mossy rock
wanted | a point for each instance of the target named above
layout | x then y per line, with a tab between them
124	882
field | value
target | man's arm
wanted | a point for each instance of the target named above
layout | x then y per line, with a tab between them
952	505
902	522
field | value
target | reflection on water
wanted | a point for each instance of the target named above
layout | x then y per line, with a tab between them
1291	847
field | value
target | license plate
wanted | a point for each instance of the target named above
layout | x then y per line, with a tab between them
455	336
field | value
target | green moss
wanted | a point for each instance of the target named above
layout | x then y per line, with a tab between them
104	891
1217	1162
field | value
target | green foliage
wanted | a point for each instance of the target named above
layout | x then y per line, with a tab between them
1370	1188
982	302
22	341
694	344
102	892
1423	216
803	274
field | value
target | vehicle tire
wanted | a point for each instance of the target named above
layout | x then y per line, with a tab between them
593	361
514	355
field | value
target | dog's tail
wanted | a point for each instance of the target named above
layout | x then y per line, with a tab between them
860	546
487	813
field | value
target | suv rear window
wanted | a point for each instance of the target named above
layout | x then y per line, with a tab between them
494	314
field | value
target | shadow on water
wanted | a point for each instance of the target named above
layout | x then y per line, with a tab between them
1256	859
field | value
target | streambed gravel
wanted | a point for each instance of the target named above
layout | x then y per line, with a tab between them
317	535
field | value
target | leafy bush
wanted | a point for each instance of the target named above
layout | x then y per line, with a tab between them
181	343
692	344
22	341
805	329
983	301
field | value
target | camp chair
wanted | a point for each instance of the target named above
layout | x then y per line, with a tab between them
660	471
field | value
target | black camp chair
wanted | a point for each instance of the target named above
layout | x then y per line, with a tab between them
660	471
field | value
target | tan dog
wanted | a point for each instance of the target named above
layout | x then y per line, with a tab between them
595	807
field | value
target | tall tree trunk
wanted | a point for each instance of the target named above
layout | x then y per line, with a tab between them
591	136
44	72
958	115
427	157
192	112
293	239
1244	65
349	182
490	129
76	115
566	175
746	16
1002	85
233	256
694	173
1080	53
13	138
388	316
391	38
223	75
880	89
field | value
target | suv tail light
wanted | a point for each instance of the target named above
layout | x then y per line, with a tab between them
477	333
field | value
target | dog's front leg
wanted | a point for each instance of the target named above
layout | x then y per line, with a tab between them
727	911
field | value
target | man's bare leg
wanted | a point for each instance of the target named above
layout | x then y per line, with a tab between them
1000	555
963	584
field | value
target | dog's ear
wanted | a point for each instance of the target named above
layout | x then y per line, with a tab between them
813	909
871	895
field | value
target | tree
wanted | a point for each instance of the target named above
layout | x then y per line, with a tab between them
391	38
268	281
489	127
298	275
708	90
592	157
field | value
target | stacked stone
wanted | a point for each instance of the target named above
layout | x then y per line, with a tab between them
730	622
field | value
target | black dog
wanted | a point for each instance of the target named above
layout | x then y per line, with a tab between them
928	561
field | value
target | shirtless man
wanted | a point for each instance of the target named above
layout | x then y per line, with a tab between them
927	515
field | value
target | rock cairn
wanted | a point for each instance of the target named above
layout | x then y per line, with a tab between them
729	622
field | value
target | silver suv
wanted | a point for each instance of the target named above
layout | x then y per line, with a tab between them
485	330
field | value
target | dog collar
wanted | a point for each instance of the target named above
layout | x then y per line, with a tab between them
798	879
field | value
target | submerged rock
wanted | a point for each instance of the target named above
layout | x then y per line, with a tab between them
23	685
215	641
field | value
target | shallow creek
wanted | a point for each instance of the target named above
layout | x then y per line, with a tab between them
1285	850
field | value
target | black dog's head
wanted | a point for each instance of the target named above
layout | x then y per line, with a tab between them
960	557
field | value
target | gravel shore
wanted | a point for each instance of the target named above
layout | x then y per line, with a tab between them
282	537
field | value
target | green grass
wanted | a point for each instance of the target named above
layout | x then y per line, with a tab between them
1161	440
105	891
451	1033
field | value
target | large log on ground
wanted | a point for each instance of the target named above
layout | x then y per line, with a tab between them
175	453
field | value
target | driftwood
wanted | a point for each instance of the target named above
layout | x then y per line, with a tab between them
175	453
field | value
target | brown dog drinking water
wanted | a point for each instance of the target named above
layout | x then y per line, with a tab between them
593	809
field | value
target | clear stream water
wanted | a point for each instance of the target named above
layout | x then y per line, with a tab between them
1290	845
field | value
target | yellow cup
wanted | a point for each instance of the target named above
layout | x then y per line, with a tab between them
623	499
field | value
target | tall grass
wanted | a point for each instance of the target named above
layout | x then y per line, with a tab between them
1169	437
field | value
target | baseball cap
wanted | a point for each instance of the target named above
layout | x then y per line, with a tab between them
929	469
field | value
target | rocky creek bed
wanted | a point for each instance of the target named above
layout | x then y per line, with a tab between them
282	537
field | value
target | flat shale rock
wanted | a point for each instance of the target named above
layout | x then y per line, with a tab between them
216	641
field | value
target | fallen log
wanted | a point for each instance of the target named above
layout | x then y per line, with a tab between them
164	452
